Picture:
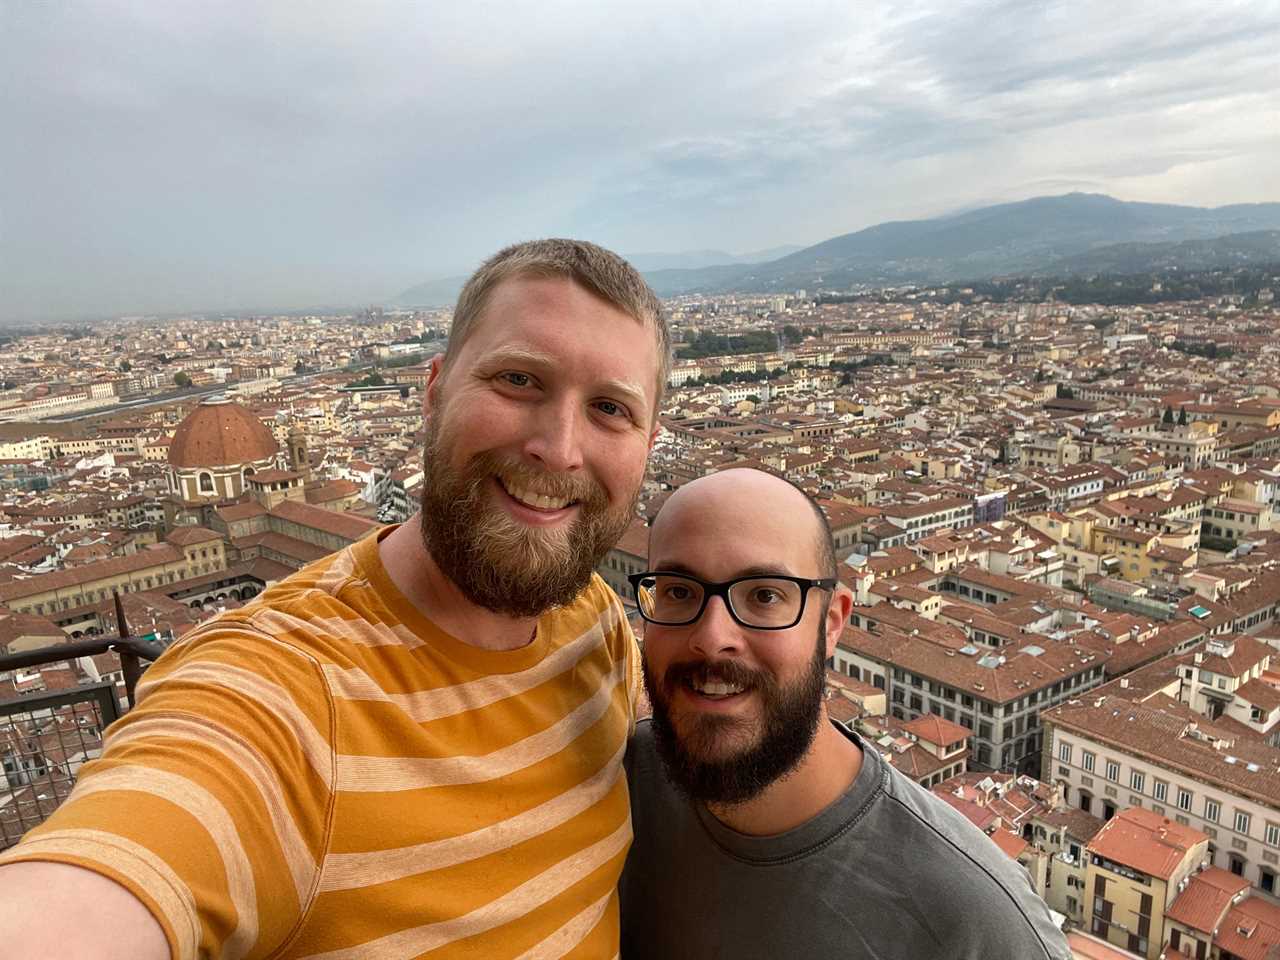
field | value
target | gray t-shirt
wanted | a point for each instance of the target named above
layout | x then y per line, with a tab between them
887	872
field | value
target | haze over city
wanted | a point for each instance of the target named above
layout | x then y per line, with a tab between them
182	157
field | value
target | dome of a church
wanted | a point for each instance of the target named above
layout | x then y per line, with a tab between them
221	433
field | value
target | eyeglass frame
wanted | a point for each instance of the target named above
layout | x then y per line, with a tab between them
721	589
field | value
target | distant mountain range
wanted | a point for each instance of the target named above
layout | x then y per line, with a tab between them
445	290
1073	234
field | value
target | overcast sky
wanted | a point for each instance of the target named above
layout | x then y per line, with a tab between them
163	155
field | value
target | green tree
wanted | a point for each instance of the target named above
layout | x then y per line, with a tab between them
125	366
181	380
1182	416
1168	415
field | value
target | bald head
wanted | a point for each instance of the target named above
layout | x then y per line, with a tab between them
780	517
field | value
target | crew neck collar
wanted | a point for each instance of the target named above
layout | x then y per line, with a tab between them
837	818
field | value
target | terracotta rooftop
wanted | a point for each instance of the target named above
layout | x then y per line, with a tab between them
1244	766
937	730
221	433
1251	930
185	536
1146	842
343	525
1206	899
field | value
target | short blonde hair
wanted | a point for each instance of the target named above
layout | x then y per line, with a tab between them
600	271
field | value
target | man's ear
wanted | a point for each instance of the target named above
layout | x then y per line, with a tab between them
837	616
433	383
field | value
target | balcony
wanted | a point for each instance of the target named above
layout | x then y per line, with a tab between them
46	737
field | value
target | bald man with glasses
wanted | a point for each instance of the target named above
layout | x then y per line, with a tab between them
763	829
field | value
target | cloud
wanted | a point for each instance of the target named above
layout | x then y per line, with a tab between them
186	155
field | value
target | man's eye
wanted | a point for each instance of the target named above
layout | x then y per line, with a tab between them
766	596
611	408
676	593
516	379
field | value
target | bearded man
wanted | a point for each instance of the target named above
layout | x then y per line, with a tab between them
415	745
762	829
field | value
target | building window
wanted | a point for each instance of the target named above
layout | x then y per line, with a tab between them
1113	770
206	483
1064	752
1160	790
1272	835
1086	760
1184	799
1137	780
1211	810
1241	823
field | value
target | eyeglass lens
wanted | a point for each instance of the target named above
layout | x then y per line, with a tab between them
758	601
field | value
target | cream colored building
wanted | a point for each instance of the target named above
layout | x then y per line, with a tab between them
1109	753
1136	863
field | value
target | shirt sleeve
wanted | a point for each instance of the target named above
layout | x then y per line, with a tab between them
211	800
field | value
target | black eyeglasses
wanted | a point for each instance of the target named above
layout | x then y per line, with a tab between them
773	602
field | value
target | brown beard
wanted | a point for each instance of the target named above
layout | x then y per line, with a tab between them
694	758
497	562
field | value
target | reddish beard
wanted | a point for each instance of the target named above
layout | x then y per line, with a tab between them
497	562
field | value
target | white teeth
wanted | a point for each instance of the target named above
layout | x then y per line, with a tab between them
532	499
716	689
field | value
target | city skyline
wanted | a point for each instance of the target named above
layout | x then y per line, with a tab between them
184	158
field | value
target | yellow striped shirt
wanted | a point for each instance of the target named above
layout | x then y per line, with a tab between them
326	774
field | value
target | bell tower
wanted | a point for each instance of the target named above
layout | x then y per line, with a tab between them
298	460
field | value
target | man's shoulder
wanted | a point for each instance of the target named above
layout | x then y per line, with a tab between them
961	870
935	824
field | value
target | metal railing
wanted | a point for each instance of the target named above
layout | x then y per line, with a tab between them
44	740
46	737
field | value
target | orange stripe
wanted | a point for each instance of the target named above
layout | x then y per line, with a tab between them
425	705
346	871
521	901
357	773
238	756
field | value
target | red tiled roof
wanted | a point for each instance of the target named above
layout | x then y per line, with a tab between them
345	525
1251	930
1009	842
1145	841
221	433
937	730
1207	897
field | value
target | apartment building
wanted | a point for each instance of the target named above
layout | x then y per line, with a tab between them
1234	520
1137	862
1110	753
920	520
1225	678
998	696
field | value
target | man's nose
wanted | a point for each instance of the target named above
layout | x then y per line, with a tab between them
716	633
556	437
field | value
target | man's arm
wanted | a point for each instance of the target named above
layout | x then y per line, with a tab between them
50	911
207	809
